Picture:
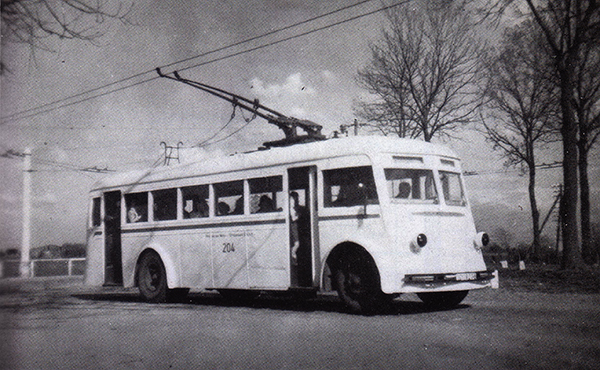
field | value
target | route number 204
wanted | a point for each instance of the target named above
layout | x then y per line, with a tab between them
228	247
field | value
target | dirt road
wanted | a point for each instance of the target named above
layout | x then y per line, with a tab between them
60	324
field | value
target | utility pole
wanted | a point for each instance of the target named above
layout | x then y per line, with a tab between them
26	240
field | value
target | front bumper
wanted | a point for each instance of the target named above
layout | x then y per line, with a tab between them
454	277
447	281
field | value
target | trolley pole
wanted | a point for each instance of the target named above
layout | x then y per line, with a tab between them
26	239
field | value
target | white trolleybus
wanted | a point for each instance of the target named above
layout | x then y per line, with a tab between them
368	217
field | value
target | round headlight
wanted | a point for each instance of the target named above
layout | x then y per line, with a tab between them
421	240
481	240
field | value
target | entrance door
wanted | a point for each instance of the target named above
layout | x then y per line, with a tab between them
303	212
113	272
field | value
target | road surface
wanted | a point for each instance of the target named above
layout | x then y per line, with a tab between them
60	324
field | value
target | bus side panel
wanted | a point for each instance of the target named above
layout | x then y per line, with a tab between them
229	255
268	258
165	244
196	260
94	271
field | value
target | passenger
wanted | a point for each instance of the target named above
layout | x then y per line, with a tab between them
403	190
265	204
199	209
349	195
239	207
294	233
133	215
203	208
222	209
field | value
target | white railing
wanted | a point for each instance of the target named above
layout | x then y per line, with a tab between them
45	267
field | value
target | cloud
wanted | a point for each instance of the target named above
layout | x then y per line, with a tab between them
293	87
328	76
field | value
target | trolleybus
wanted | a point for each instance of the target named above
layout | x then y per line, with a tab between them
368	217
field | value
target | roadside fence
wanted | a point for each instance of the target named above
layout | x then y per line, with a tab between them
44	267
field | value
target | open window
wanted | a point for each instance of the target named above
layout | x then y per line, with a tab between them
351	186
137	207
96	218
165	204
411	185
195	201
266	194
229	198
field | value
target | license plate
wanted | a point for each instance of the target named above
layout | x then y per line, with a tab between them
466	276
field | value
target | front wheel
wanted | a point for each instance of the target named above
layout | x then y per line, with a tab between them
443	300
357	284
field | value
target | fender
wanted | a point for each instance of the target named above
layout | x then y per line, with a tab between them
171	270
385	262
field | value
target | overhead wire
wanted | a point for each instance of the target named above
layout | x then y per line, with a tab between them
52	105
22	114
542	166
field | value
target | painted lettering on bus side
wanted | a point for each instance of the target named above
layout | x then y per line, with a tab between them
228	247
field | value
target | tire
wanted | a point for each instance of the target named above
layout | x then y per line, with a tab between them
152	278
443	300
357	284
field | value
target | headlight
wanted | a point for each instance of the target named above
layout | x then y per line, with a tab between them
481	240
418	242
421	240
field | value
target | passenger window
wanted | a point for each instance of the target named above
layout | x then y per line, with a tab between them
411	185
195	201
345	187
452	188
266	194
137	207
165	204
96	219
229	198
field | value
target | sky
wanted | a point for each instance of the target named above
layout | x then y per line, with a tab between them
113	110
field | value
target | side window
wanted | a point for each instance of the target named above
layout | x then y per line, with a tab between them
229	198
96	219
411	185
195	201
137	207
352	186
165	204
266	194
452	188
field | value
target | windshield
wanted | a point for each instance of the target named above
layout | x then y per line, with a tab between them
411	185
452	188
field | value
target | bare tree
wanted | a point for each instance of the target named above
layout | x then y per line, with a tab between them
35	22
522	105
587	111
568	26
422	72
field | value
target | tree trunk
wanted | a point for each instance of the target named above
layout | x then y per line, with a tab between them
535	214
571	252
587	251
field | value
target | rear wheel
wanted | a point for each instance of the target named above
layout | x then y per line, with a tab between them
357	284
443	300
152	278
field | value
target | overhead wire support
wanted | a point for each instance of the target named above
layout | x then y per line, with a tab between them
287	124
